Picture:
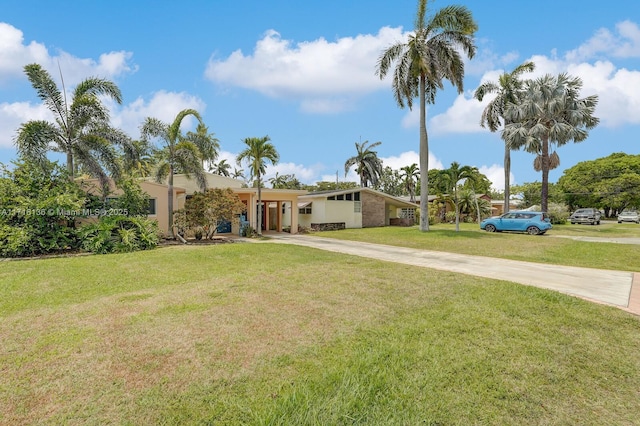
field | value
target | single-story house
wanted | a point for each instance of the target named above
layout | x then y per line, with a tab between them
353	208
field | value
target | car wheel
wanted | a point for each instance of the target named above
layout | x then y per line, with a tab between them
533	230
598	223
621	221
490	228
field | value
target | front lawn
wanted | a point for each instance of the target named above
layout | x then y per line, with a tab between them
276	334
541	248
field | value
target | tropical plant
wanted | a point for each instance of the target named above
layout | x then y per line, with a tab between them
431	54
222	168
410	174
206	211
508	90
451	178
285	182
81	129
368	165
550	113
257	152
206	142
119	234
178	153
390	182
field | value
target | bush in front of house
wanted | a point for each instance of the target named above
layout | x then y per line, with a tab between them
120	234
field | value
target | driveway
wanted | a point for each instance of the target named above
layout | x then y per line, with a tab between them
614	288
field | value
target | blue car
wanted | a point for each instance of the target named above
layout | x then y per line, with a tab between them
533	223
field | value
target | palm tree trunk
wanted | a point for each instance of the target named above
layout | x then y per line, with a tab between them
545	175
424	160
170	203
70	165
259	230
507	177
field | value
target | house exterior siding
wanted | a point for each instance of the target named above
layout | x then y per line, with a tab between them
373	210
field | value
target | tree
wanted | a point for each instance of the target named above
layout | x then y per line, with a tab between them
206	142
529	194
81	129
431	54
410	174
206	211
550	113
611	183
368	165
285	182
390	182
178	153
257	153
451	177
222	168
508	90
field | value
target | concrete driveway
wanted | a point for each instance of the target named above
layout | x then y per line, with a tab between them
615	288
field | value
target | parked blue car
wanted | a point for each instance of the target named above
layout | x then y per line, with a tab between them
533	223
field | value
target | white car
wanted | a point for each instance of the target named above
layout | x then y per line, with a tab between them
627	216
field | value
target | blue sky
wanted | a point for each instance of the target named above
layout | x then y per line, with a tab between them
303	72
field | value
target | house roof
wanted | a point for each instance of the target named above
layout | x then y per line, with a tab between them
399	202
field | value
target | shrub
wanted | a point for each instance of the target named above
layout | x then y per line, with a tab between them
118	234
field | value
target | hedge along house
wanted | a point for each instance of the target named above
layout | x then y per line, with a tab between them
276	203
353	208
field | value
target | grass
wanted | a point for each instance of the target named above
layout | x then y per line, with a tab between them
276	334
541	249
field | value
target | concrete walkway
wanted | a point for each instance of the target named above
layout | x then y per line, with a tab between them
614	288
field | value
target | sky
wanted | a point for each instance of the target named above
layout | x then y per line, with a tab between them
303	73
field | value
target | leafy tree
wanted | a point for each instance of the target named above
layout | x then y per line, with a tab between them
390	182
368	165
81	129
38	208
550	113
206	211
530	194
178	153
410	175
330	186
611	183
508	90
257	152
285	182
431	54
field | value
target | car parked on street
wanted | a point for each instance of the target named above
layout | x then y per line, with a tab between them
533	223
590	216
628	216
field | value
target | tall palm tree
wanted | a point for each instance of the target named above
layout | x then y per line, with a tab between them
206	142
237	173
257	153
178	153
368	165
431	54
550	113
410	174
452	176
508	90
81	130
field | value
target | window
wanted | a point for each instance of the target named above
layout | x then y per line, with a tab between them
408	213
305	210
357	207
340	197
333	197
356	196
348	197
152	207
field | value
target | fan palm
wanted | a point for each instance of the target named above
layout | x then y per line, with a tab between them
178	153
81	129
508	89
257	152
368	165
550	113
431	54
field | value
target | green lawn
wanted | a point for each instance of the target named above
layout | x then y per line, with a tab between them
548	248
275	334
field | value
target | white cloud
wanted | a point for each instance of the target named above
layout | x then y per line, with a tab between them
495	173
461	117
324	76
14	54
625	43
12	115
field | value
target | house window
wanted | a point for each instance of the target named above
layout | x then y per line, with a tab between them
357	206
152	207
305	210
332	198
340	197
348	197
408	213
356	196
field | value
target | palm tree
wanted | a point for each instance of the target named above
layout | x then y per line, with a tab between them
178	153
81	129
410	174
508	89
368	165
222	168
257	153
550	113
431	54
206	142
452	176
